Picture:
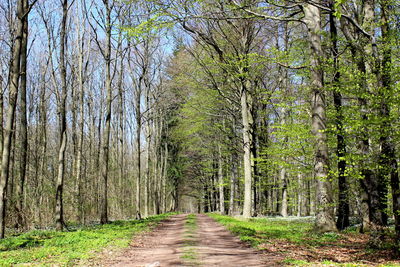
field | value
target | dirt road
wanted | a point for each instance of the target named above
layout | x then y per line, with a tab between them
168	245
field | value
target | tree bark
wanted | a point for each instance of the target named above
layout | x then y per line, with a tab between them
388	151
246	121
221	182
284	204
232	206
8	131
138	147
1	115
78	174
299	194
107	130
63	122
23	124
325	219
343	208
148	160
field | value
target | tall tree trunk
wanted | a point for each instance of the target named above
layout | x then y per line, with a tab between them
232	194
13	87
147	169
254	155
283	175
78	174
388	151
121	108
284	205
246	121
138	152
221	182
299	194
23	124
343	209
325	219
163	188
63	122
1	115
107	130
43	149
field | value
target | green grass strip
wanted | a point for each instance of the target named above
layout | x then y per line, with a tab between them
46	248
189	254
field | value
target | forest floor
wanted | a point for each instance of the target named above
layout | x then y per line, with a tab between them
195	240
199	240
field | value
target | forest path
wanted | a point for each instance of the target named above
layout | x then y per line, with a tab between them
218	247
172	243
160	247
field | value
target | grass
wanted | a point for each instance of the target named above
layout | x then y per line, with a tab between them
189	254
298	245
257	231
48	248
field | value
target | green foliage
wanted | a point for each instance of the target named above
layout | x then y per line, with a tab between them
65	248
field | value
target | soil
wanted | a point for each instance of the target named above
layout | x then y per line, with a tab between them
165	246
160	247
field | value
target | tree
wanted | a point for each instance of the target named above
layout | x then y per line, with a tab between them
107	132
23	122
62	121
9	126
343	207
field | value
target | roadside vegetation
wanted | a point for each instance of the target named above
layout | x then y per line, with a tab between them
49	247
189	254
293	239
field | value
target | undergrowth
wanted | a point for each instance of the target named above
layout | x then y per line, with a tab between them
44	247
